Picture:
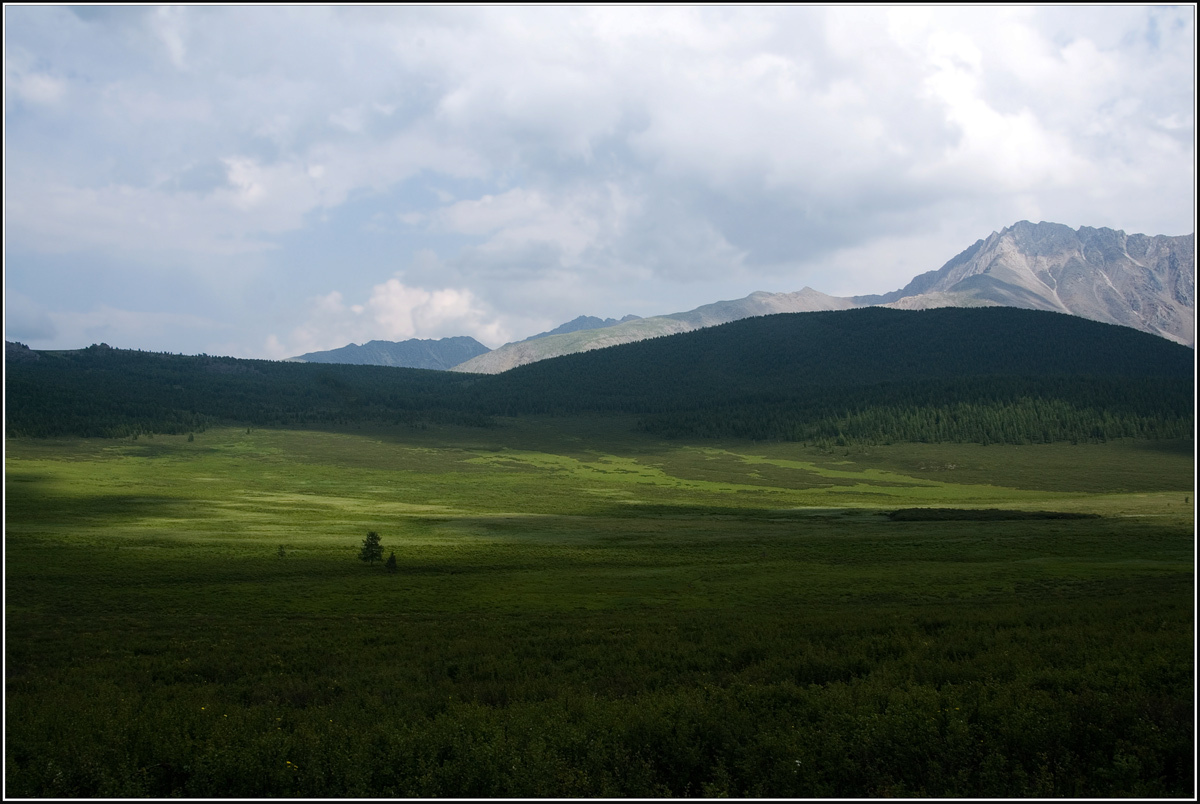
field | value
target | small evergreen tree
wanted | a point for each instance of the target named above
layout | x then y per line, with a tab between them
372	550
390	564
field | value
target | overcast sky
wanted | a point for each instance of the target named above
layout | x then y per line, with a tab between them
263	182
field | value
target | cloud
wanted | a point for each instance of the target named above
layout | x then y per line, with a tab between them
26	320
403	312
570	222
1011	152
128	329
39	88
169	25
394	312
256	202
559	161
25	81
55	217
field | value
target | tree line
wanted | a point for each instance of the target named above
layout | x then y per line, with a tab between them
875	375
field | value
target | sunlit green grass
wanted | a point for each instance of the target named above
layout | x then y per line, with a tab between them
584	610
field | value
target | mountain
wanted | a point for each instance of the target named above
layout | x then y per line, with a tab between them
875	375
722	312
15	352
413	353
870	375
581	323
793	354
1138	281
434	354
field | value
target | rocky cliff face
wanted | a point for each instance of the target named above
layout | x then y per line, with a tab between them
1139	281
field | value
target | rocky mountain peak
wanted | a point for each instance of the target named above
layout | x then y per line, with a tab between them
1140	281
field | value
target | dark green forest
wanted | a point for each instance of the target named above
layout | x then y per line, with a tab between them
872	375
105	392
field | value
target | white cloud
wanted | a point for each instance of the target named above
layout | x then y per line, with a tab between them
60	218
259	201
570	223
403	312
393	312
39	88
169	25
29	84
567	157
489	213
1011	152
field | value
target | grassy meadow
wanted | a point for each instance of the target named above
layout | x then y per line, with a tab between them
584	610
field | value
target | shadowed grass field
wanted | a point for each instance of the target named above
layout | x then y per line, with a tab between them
581	610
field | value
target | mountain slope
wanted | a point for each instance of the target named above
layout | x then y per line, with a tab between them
414	353
988	375
783	354
583	322
722	312
1138	281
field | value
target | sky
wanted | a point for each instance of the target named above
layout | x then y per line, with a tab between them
267	181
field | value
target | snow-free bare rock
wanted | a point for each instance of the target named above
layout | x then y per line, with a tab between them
1140	281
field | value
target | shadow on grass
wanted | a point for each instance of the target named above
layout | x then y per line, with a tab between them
978	515
683	511
1168	446
32	499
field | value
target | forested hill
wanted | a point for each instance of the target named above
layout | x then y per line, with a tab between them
982	374
797	352
875	374
100	391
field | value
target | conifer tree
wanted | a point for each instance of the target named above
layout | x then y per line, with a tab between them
372	550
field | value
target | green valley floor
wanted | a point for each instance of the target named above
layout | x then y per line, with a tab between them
583	610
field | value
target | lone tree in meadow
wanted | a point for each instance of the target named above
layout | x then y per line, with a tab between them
372	550
390	564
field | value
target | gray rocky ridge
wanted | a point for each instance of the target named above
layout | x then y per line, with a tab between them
1140	281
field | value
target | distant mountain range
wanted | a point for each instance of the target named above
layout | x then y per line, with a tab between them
581	323
434	354
518	354
991	374
415	353
1139	281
